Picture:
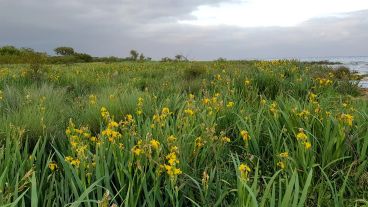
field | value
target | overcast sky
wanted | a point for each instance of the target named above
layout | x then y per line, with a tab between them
198	29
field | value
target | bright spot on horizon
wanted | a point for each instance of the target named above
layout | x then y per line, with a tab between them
265	13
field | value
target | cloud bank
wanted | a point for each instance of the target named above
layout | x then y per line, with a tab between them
113	27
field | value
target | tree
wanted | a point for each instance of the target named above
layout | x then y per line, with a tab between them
141	57
64	51
180	57
84	57
27	50
166	59
9	50
134	55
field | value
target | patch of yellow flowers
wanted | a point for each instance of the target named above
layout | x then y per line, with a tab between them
274	108
347	119
283	156
303	138
53	166
244	170
80	140
245	135
139	110
323	81
171	164
160	118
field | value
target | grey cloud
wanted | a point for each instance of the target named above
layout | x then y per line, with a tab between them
113	27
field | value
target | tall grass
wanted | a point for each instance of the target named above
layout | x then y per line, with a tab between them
279	133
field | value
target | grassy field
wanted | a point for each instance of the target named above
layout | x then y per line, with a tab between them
255	133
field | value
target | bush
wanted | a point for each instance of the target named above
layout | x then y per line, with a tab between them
194	71
83	57
36	65
342	72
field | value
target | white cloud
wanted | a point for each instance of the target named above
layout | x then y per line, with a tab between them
264	13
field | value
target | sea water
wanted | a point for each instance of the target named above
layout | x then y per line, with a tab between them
354	63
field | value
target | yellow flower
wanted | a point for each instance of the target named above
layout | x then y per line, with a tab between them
230	104
245	135
273	108
177	171
75	162
68	159
263	101
156	118
171	139
206	101
199	142
172	170
140	100
324	81
347	118
74	144
165	111
172	158
68	131
129	117
82	149
189	112
93	139
121	146
304	114
284	154
104	113
174	149
307	145
247	82
112	124
226	139
244	170
87	135
53	166
155	144
136	150
139	112
168	168
72	161
301	135
281	165
78	131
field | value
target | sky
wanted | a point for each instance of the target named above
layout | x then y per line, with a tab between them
197	29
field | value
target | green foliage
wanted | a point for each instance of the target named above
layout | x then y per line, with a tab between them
194	71
84	57
9	50
64	51
238	133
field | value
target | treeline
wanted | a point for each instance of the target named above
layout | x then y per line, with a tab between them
63	55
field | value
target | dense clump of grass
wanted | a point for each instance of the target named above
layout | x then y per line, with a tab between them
257	133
